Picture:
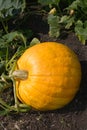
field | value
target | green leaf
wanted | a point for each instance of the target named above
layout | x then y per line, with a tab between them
11	7
64	19
83	3
34	42
8	38
81	31
70	22
54	27
79	23
10	42
74	5
67	21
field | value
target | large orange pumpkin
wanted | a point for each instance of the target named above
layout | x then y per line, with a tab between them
53	76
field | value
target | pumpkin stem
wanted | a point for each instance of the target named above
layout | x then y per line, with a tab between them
20	74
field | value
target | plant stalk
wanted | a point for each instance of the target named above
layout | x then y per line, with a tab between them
5	27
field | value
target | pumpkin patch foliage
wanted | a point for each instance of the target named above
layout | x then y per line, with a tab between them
71	15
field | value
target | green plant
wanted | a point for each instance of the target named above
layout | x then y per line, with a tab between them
12	45
9	9
13	41
72	17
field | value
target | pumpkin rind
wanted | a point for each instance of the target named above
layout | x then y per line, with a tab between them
54	75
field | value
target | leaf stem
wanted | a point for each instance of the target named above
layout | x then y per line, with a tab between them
7	55
15	96
5	27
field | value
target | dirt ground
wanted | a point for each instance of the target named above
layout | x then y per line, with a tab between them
71	117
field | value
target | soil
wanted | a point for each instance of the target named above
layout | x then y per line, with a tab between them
71	117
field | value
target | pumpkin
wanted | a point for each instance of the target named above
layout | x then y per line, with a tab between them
49	76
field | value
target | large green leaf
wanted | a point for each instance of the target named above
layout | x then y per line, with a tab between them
54	27
81	31
83	3
83	6
9	41
8	38
11	7
74	5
